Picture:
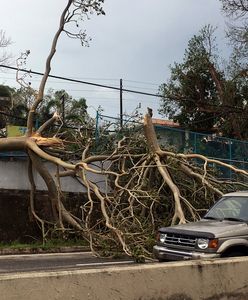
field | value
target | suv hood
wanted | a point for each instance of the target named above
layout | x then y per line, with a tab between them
209	228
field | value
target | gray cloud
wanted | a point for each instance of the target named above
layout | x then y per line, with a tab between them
136	40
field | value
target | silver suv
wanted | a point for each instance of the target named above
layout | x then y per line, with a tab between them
222	232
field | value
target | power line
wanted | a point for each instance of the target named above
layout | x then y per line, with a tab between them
230	107
85	82
37	80
143	88
142	82
103	79
85	78
74	90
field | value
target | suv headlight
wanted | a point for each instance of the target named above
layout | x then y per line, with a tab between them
206	243
202	243
162	237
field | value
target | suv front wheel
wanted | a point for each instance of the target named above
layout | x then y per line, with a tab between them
234	254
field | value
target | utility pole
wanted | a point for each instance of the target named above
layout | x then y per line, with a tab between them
121	104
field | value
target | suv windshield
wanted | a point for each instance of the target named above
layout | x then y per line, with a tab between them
230	208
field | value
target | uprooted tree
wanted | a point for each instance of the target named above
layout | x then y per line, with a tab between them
146	186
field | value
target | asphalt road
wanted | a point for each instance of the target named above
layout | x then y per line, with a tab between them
58	261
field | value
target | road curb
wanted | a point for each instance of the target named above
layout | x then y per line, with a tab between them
37	250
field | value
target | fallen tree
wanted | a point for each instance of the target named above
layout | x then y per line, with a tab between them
146	186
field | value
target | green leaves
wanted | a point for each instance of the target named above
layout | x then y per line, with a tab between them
200	96
191	86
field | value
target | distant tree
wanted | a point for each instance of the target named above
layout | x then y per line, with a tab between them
5	103
235	7
200	96
236	11
191	89
22	99
73	111
5	57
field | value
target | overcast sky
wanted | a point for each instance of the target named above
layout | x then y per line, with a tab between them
137	40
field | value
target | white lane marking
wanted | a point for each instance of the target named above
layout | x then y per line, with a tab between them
106	263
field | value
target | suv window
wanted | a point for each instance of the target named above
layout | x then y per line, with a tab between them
230	207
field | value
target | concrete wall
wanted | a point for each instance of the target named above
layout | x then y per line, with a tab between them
206	280
15	198
14	176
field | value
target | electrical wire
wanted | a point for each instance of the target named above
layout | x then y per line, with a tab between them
229	107
85	82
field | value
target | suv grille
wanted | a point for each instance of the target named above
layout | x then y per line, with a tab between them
180	240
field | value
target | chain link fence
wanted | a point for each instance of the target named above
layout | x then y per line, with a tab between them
230	151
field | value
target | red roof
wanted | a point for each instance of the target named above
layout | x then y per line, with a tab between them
167	123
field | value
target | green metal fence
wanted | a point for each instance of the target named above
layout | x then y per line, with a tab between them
231	151
206	144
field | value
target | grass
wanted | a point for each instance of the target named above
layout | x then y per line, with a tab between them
50	244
